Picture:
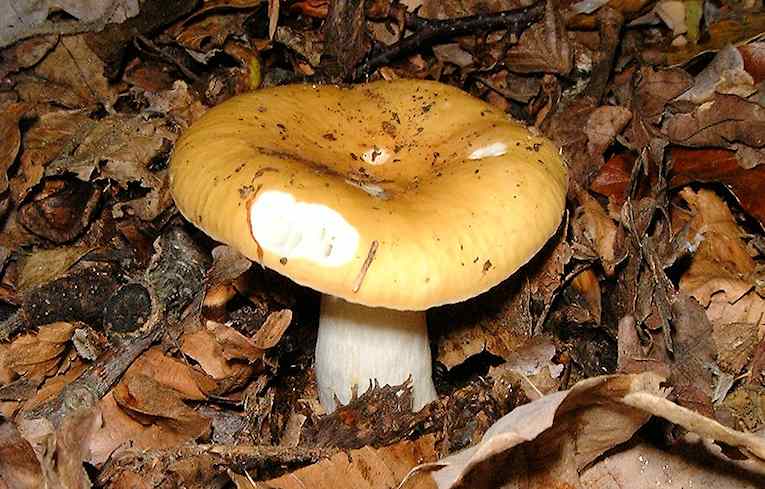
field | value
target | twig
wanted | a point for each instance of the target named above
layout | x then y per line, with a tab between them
365	266
430	30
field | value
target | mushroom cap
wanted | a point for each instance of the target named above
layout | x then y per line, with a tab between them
402	194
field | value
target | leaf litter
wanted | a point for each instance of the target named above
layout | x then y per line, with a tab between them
630	351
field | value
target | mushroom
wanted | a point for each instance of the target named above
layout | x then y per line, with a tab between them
389	198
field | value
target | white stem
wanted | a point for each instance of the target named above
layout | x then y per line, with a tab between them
357	344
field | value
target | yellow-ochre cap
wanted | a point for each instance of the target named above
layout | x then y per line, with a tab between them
402	194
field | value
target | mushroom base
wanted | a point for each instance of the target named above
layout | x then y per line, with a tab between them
358	344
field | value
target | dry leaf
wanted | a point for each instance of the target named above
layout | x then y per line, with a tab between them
74	66
721	273
122	148
546	442
42	266
222	352
603	125
55	133
365	468
595	229
724	74
26	53
147	401
25	19
169	372
72	448
753	55
272	330
10	140
544	47
720	122
19	467
37	356
690	463
721	166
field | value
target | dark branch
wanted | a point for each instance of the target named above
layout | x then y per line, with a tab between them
430	30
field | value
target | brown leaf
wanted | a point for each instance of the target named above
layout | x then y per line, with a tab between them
37	356
690	463
74	65
222	352
737	28
72	447
721	166
168	372
655	89
61	210
544	47
603	125
365	468
25	54
147	401
753	55
546	442
724	74
42	266
122	148
54	134
595	229
10	140
18	464
612	181
720	122
272	330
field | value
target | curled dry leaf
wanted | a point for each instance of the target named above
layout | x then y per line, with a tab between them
10	140
595	229
692	462
724	74
37	356
42	266
61	210
26	53
169	372
272	330
149	402
547	442
721	276
720	122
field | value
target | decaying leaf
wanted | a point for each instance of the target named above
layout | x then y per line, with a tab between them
364	468
22	20
595	229
725	74
721	166
720	122
544	47
53	134
74	67
720	275
18	464
42	266
547	442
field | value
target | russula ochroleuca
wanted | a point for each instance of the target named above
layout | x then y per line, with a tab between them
389	198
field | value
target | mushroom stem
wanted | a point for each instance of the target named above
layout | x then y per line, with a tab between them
358	344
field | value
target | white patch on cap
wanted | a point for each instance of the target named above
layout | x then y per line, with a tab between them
376	156
291	229
494	149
